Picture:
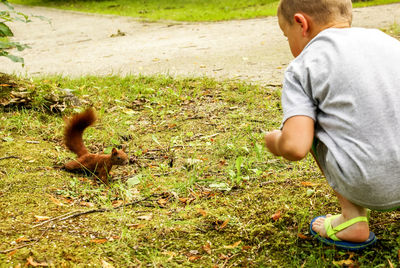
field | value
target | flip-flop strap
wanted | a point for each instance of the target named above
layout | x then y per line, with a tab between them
331	232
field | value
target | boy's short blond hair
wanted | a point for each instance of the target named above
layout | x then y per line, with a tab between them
322	11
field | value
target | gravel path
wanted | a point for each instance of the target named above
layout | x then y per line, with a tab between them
76	44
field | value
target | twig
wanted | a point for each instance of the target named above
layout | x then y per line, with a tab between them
80	213
194	117
274	181
8	157
55	218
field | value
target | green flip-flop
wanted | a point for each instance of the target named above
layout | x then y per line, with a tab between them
333	240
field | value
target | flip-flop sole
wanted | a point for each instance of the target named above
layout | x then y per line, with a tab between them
352	246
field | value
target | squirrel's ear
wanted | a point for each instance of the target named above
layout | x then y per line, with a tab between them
123	148
114	151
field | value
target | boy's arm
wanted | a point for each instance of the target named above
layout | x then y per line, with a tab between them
294	141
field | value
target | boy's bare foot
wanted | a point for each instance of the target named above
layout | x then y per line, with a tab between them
358	232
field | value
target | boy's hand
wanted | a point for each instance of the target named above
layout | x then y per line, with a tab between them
271	141
294	141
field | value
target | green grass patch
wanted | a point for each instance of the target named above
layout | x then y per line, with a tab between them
182	10
216	197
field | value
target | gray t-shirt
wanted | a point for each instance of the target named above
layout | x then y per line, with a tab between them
348	82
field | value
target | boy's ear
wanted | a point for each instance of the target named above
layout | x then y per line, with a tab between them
303	21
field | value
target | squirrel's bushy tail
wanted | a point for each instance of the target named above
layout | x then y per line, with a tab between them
74	129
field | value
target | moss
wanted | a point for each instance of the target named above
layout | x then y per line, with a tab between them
187	221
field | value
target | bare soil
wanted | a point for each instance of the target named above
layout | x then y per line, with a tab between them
76	44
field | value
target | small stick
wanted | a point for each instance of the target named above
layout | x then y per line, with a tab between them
8	157
80	213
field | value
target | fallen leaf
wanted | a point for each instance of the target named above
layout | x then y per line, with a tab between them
56	201
307	183
224	257
5	85
276	216
303	236
21	239
193	258
145	217
83	179
105	264
234	245
10	254
244	248
220	186
42	218
136	226
171	125
117	203
86	204
186	200
207	248
99	240
202	212
30	261
344	262
162	202
223	225
390	264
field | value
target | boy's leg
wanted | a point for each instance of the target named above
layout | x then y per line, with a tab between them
358	232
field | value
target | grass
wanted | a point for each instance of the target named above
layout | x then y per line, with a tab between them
182	10
216	196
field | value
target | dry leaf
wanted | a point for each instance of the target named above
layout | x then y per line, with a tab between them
30	261
344	262
56	201
223	225
193	258
86	204
276	216
303	236
99	240
105	264
202	212
234	245
185	200
21	239
145	217
207	248
390	264
162	202
244	248
307	183
117	203
224	257
42	218
10	254
136	226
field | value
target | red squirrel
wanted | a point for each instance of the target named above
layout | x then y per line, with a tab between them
99	164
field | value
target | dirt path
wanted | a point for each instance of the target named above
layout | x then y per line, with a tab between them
77	43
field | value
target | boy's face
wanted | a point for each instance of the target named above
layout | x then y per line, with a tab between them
294	35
